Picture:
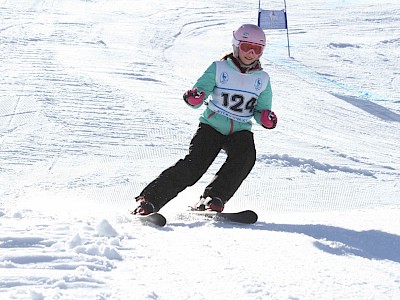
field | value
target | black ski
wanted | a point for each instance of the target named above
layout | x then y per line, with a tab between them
244	217
156	219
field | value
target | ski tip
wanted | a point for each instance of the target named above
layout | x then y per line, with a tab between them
156	219
250	217
162	221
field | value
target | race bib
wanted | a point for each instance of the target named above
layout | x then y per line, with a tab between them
236	94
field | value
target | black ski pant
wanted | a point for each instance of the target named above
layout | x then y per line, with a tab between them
204	148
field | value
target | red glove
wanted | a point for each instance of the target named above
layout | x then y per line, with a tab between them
193	97
268	119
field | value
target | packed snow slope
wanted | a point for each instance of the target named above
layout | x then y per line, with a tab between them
91	110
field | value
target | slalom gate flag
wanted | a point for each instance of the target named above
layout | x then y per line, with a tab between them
272	19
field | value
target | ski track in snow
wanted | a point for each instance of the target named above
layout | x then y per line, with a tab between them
90	111
71	251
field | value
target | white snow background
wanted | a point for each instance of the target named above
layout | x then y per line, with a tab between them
91	110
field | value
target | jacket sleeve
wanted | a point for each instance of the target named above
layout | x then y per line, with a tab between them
206	82
264	101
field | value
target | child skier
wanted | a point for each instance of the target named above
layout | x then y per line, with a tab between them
237	90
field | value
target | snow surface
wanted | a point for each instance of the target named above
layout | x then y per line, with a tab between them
91	111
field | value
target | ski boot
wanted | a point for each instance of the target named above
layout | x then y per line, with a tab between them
210	204
145	207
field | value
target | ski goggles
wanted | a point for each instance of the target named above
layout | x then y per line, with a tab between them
247	47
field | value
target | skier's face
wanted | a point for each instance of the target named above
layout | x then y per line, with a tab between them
249	52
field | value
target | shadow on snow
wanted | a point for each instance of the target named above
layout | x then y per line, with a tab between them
371	244
370	107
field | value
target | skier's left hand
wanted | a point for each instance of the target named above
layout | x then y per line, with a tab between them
268	119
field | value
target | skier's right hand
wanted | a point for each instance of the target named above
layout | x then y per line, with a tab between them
193	97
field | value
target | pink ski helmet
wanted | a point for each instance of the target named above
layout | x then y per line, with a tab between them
247	33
